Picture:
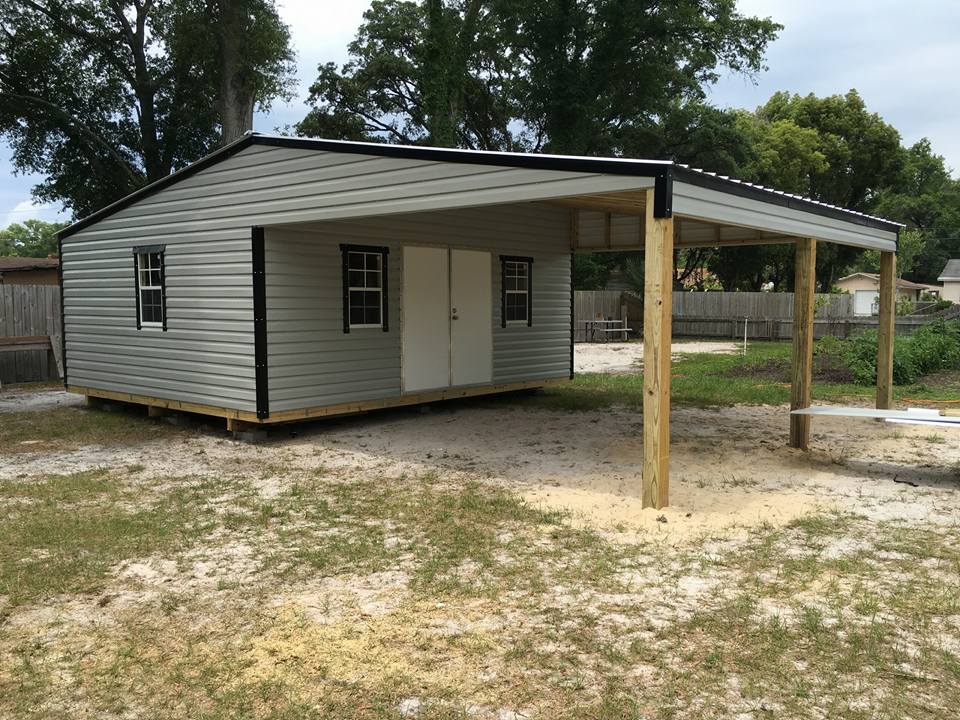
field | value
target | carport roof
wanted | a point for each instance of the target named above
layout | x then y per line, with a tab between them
664	172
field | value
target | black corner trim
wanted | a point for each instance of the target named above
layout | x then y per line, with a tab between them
573	324
63	317
384	282
504	259
136	285
259	264
663	194
148	249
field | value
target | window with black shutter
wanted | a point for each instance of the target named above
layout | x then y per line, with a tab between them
364	287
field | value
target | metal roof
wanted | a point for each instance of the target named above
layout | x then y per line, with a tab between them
951	271
663	170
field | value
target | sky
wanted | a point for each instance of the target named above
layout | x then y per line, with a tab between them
904	59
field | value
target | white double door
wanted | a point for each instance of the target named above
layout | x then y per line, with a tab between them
447	318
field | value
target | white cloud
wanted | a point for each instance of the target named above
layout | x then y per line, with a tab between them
28	210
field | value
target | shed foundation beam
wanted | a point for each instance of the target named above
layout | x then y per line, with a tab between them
802	366
886	329
657	311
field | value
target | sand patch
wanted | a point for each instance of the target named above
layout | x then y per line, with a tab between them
625	357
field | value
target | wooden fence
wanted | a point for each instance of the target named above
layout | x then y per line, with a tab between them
768	316
29	311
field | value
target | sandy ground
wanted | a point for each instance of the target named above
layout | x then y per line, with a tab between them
626	357
731	475
730	468
20	399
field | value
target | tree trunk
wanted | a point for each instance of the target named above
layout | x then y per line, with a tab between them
236	97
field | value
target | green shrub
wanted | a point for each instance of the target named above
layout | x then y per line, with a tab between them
935	346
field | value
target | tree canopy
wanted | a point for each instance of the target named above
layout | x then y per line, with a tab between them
31	238
567	76
103	96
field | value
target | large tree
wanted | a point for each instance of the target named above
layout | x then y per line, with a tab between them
103	96
573	76
32	238
829	148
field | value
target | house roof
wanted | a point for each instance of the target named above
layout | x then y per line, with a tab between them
665	171
951	271
901	283
10	263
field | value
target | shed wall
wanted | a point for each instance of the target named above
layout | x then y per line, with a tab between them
313	363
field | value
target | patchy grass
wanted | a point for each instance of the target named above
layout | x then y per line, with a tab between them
64	533
72	427
373	595
712	380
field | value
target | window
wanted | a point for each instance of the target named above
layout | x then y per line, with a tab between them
364	287
150	286
516	294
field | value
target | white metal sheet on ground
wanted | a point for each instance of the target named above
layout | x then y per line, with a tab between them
910	414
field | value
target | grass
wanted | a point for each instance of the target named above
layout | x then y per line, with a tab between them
715	380
494	604
64	533
71	427
344	594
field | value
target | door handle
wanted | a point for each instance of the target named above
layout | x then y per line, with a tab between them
453	314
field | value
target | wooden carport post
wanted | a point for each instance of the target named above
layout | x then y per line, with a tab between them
657	331
802	366
886	329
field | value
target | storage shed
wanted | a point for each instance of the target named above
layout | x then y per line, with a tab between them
280	279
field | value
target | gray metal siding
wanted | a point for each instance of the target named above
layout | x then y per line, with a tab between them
313	363
206	354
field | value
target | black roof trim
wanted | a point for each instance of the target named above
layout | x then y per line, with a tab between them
660	169
732	186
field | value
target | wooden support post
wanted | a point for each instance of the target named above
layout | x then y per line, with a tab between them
155	411
657	330
886	329
802	366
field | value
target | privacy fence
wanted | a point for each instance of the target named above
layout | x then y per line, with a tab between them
29	317
767	316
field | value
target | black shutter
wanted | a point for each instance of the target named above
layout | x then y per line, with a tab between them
530	293
503	291
383	290
136	284
163	288
345	271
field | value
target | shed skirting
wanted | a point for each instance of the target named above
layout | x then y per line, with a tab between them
287	416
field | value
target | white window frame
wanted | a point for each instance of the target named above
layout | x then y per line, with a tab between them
507	263
142	270
355	288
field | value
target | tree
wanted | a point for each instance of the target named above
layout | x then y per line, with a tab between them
909	249
926	198
103	96
32	238
831	149
571	76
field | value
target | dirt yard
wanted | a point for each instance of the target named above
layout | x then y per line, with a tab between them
627	357
482	560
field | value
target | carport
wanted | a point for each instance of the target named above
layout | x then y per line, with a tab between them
688	208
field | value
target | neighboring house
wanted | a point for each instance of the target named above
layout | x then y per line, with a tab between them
28	271
865	288
279	279
950	277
